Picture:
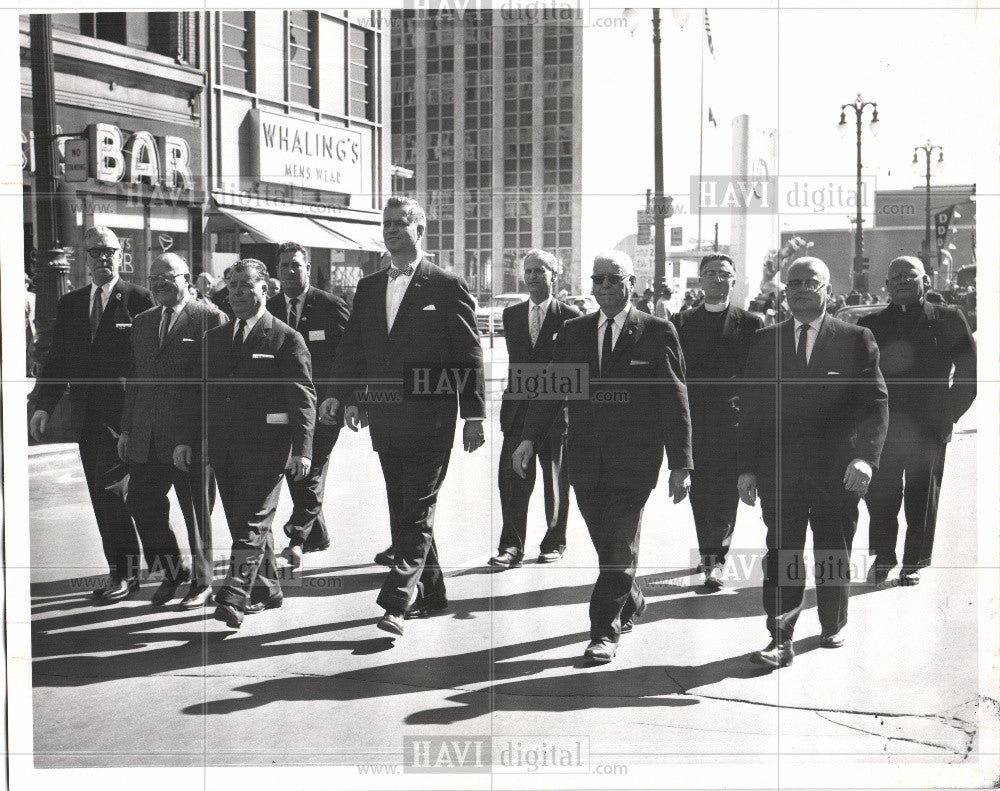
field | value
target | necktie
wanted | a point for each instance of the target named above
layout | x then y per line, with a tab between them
165	324
800	352
607	347
292	310
394	273
238	337
535	323
96	309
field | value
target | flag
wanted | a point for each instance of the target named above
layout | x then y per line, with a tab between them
708	34
942	221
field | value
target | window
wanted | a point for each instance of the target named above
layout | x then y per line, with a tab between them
332	80
237	49
107	27
301	57
361	69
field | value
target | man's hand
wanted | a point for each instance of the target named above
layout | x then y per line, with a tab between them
473	437
857	477
356	417
680	482
327	412
182	458
747	485
39	421
299	467
123	446
524	454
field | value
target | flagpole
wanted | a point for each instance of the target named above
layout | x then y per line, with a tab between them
701	120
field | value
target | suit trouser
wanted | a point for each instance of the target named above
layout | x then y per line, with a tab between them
715	497
306	526
515	493
613	517
249	498
413	479
920	457
149	483
107	481
832	513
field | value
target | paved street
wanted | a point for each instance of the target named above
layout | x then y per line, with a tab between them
315	683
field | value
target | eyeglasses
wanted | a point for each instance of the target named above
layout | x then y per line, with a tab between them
717	274
812	284
615	280
101	252
166	280
902	280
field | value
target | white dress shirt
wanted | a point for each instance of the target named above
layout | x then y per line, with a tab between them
716	307
618	323
175	311
814	326
543	310
250	323
105	293
395	290
300	302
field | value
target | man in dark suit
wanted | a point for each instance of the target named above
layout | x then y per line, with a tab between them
261	414
415	324
92	351
617	437
161	436
715	338
811	430
921	345
320	318
530	329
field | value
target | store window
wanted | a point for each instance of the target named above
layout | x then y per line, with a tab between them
332	97
301	57
361	70
237	49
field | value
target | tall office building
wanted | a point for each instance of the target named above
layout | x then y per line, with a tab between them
486	112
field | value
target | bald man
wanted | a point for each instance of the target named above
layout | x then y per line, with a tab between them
928	359
161	436
92	353
810	434
637	409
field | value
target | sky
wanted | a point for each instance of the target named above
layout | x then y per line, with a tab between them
928	69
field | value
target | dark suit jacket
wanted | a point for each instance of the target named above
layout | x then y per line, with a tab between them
715	365
621	445
917	364
520	351
435	325
833	411
321	325
74	357
261	401
164	395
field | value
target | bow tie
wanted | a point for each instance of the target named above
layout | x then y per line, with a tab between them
394	273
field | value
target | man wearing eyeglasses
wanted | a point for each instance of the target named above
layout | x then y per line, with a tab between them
92	352
815	412
637	408
715	338
928	359
162	429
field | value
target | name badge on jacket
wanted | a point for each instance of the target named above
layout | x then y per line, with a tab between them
278	418
317	335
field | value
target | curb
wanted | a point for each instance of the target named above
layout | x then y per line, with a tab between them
48	451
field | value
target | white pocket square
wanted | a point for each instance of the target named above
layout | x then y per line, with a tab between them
640	362
429	307
123	326
263	356
555	335
834	373
188	340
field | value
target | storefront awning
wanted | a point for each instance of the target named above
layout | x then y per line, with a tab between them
364	236
278	228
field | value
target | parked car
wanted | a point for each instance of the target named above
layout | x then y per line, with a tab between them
489	315
851	313
583	302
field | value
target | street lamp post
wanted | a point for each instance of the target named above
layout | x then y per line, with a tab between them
928	148
859	272
659	219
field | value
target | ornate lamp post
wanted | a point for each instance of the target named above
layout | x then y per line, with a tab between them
859	272
928	148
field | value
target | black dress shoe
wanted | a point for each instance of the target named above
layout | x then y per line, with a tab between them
386	558
168	588
550	555
506	560
600	652
197	596
272	602
391	622
909	576
835	640
119	590
230	615
423	608
307	547
775	655
629	623
878	574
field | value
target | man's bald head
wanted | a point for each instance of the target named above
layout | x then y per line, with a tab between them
807	288
907	281
614	261
169	263
169	277
815	266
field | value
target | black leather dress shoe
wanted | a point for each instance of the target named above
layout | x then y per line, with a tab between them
386	558
168	588
307	547
424	608
600	652
391	622
272	602
835	640
230	615
629	624
119	590
506	560
909	576
775	655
